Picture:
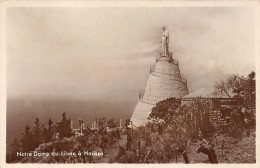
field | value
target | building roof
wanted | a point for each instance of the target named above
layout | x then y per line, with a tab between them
204	93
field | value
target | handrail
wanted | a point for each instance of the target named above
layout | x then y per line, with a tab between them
141	94
152	68
183	78
149	97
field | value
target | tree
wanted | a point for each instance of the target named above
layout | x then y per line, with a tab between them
241	87
50	124
50	130
12	151
165	110
249	90
183	120
112	124
26	140
64	127
48	133
237	124
45	135
101	123
227	87
167	121
171	125
81	122
37	133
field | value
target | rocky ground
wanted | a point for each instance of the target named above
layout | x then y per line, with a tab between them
234	151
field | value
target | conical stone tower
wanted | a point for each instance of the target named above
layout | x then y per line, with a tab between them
165	81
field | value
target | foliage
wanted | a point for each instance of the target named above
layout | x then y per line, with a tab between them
241	88
40	139
81	124
50	131
241	121
26	142
165	110
111	123
183	121
64	127
37	133
249	91
47	134
172	125
12	151
243	114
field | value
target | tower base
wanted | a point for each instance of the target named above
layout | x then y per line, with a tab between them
141	112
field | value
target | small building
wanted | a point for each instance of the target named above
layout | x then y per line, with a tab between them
225	105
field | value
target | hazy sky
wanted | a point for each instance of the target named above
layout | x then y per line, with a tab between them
105	53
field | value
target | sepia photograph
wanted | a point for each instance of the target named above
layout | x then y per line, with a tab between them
130	83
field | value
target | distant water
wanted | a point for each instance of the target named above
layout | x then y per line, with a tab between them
22	112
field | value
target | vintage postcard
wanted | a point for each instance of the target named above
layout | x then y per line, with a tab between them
129	83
